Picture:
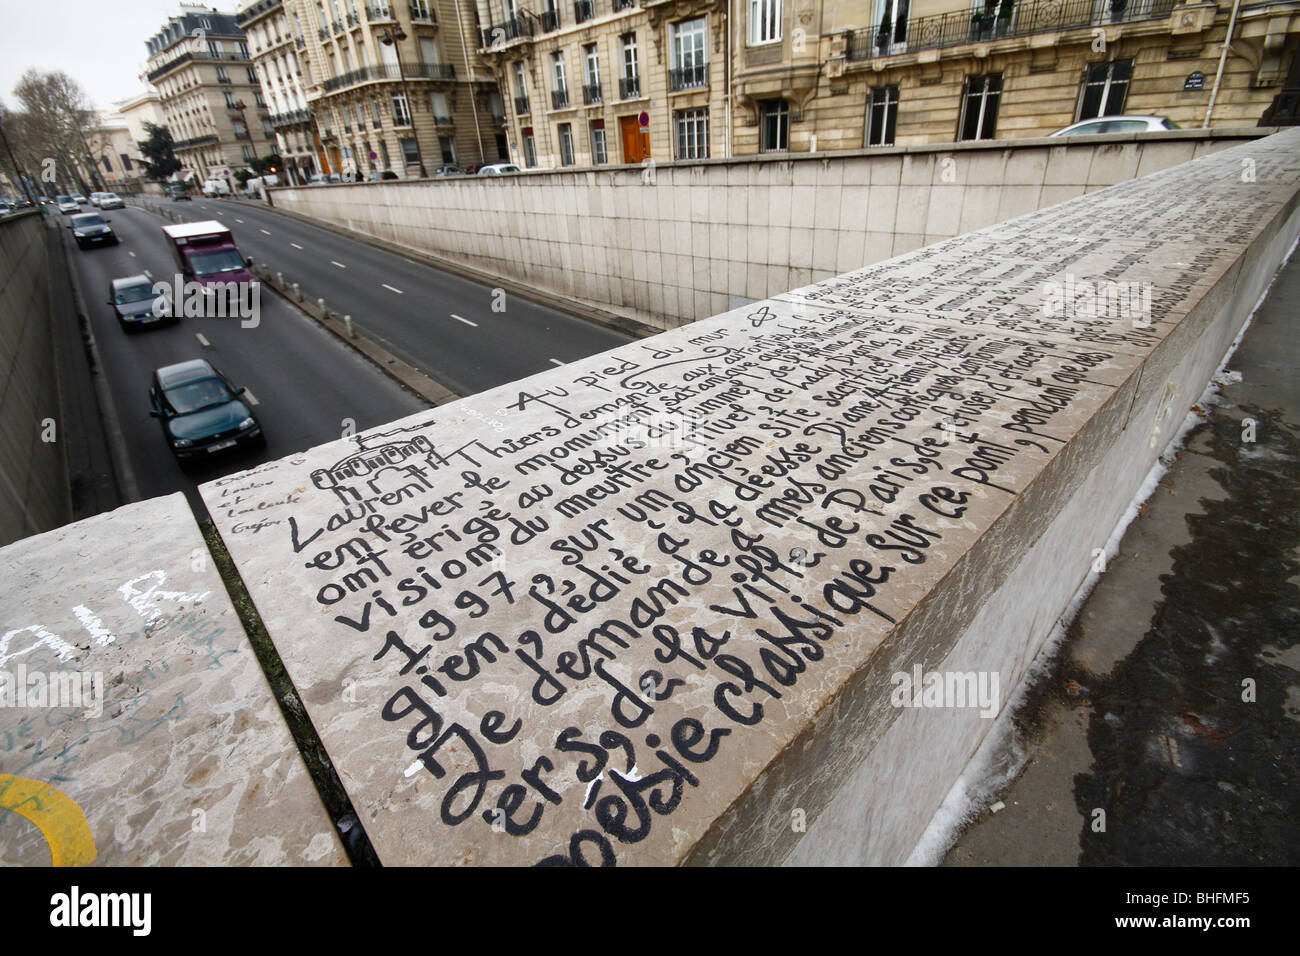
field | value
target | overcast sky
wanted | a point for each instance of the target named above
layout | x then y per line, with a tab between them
100	44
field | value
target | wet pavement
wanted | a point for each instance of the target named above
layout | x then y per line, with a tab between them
1168	729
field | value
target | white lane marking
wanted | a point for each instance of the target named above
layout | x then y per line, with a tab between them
339	264
557	361
461	319
220	213
237	219
391	289
130	253
148	273
252	399
295	245
202	340
263	230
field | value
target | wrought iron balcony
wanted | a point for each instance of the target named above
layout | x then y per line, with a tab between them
423	15
629	87
293	118
441	120
591	93
353	20
583	10
300	42
521	106
1009	20
623	5
504	32
390	71
380	14
688	77
550	20
560	99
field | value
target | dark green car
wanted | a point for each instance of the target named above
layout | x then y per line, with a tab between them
201	411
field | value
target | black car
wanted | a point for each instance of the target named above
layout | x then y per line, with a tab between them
200	411
137	305
92	229
380	175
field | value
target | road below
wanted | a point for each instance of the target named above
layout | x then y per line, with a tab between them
439	322
307	387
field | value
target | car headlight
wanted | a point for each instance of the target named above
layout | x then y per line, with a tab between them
182	442
247	423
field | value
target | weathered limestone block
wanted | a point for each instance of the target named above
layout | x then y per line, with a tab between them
136	727
652	607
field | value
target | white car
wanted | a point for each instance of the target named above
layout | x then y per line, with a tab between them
69	204
499	169
96	197
1116	124
111	201
216	187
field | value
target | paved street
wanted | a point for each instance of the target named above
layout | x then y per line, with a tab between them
306	384
437	321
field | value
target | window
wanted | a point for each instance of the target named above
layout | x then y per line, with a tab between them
560	93
383	154
530	147
252	76
126	161
257	98
550	17
420	10
410	152
438	103
591	62
764	21
214	49
521	87
401	110
979	117
222	75
1105	87
692	133
230	100
108	167
243	50
375	117
882	116
689	62
428	51
248	154
598	155
629	84
891	32
774	125
566	144
448	150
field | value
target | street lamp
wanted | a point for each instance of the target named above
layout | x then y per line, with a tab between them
391	37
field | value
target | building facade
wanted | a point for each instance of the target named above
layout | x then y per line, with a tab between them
116	155
274	42
610	81
618	81
397	86
210	94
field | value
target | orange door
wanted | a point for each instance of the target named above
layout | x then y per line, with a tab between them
634	145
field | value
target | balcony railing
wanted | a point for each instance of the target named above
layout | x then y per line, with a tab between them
293	118
629	87
688	77
337	27
300	42
591	93
1021	19
423	15
249	14
389	71
353	20
196	141
521	106
244	135
441	120
381	14
550	20
583	10
560	99
623	5
504	32
323	33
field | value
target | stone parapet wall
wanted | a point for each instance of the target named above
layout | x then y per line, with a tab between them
670	245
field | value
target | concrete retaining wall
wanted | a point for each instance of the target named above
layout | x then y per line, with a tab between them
33	471
680	242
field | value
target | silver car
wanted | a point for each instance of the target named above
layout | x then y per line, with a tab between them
1116	124
111	201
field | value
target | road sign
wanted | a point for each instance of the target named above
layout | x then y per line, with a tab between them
644	118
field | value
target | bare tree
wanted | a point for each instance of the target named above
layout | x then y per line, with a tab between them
56	113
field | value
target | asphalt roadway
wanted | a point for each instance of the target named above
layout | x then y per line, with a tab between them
306	387
439	322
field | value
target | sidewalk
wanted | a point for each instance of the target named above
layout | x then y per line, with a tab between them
1142	715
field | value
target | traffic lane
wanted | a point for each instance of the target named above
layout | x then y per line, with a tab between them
306	387
426	315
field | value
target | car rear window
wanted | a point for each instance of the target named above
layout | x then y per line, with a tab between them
193	396
133	293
